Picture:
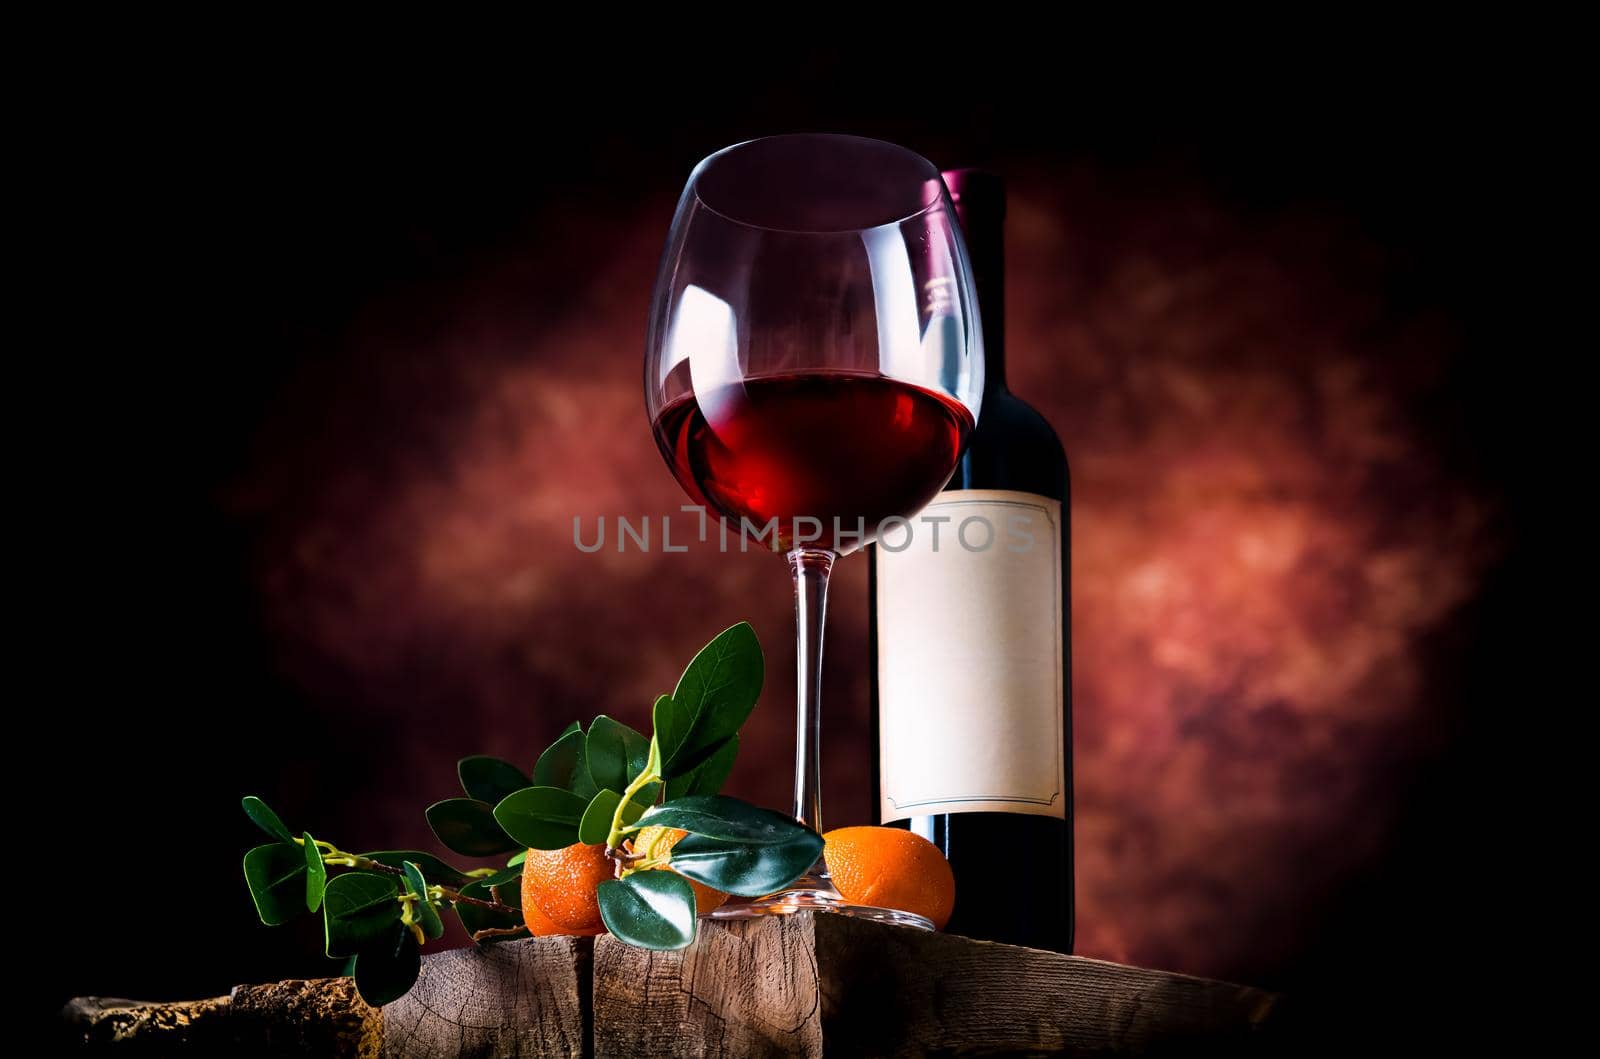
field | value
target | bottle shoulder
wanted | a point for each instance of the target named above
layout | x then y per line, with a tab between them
1004	413
1013	447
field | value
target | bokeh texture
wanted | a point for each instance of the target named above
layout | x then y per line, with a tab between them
1262	540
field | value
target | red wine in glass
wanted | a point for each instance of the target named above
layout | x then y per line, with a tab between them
844	450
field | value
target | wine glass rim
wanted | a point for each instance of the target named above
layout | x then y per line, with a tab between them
704	163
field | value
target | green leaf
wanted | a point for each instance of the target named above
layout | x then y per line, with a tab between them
583	784
386	969
617	753
474	918
596	823
575	726
745	869
719	816
467	826
422	909
502	877
489	779
541	817
432	866
710	776
357	910
562	764
276	875
316	874
670	722
713	698
264	818
517	859
650	909
735	846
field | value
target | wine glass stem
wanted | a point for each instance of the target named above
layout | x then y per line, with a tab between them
811	567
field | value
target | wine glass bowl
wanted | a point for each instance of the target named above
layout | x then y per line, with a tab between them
814	365
823	459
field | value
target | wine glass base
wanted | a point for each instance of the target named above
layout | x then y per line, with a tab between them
805	899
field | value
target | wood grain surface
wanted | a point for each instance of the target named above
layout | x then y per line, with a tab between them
744	988
894	992
515	998
802	985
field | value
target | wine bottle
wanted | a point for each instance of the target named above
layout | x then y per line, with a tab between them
971	647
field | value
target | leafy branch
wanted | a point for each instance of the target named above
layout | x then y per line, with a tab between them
595	786
331	855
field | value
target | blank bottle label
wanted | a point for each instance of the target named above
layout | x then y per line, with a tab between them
970	658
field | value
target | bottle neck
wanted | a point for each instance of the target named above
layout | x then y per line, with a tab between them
983	225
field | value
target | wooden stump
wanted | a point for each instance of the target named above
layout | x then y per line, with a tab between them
516	998
802	985
744	988
900	992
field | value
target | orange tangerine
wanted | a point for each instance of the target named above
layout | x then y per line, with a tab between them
891	868
560	884
540	926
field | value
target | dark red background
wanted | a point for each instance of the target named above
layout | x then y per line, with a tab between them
387	344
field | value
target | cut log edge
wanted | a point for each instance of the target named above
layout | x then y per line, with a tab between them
322	1015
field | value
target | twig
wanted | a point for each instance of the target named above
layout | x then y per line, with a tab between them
367	864
497	932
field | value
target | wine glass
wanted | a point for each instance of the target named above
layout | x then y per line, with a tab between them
813	368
